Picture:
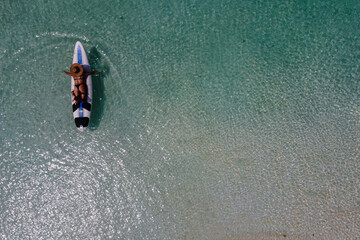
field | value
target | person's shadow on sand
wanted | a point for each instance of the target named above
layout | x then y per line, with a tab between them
99	99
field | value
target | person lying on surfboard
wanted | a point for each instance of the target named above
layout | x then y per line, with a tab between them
80	90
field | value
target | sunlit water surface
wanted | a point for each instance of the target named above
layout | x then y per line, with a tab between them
211	120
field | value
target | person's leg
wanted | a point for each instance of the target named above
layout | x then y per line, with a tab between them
82	89
76	92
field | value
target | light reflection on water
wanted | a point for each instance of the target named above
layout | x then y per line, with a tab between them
217	121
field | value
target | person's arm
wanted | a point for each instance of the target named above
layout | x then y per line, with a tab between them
90	73
70	74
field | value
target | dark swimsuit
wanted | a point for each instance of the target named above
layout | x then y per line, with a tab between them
80	101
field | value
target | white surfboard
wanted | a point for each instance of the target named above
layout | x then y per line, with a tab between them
82	110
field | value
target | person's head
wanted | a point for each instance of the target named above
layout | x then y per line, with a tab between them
76	69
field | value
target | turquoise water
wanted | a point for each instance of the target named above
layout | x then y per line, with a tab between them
211	120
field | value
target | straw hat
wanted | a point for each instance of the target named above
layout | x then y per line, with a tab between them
76	69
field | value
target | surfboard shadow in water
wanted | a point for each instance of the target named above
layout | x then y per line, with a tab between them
97	108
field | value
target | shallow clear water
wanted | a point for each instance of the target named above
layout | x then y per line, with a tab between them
217	120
